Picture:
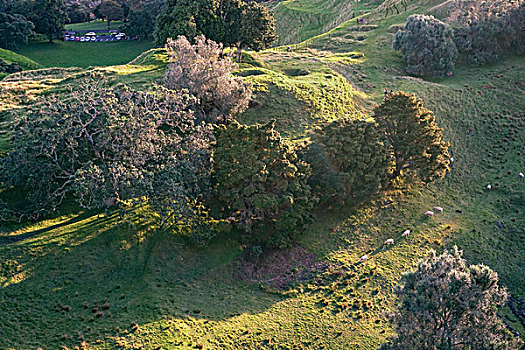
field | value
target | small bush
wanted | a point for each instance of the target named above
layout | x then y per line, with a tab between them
296	72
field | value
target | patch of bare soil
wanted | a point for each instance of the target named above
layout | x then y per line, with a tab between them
280	268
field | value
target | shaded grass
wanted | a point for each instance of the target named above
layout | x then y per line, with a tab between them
181	297
78	54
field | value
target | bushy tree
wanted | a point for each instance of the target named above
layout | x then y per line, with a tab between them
110	10
78	13
260	184
231	22
247	24
415	139
49	18
427	45
350	160
14	29
142	17
189	18
206	72
446	305
486	30
104	146
140	24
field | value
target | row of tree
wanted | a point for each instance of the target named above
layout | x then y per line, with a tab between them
103	145
485	31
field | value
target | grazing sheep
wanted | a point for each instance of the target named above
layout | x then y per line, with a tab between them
521	175
438	209
452	159
363	258
429	213
406	233
489	187
389	241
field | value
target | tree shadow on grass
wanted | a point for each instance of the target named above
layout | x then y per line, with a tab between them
85	279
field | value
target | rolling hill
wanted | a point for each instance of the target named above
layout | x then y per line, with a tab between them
84	276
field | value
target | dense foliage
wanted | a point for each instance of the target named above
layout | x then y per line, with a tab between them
349	158
231	22
206	72
14	27
414	136
78	13
447	304
142	17
110	10
261	184
486	30
49	18
427	45
105	146
9	67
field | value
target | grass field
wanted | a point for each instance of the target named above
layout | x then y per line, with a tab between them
94	25
78	54
84	276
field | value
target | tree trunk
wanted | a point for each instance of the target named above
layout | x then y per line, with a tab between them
239	52
109	24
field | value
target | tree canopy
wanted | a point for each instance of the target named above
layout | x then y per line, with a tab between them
349	158
231	22
206	72
261	185
415	139
446	305
49	18
427	45
14	29
105	145
110	10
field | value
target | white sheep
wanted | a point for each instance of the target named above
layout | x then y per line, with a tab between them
363	258
452	159
489	187
521	175
389	241
439	209
429	213
406	233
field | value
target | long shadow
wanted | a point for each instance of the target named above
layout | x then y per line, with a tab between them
23	236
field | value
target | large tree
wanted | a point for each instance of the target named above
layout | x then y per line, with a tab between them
260	184
247	24
427	45
207	73
448	305
415	139
49	18
349	158
231	22
110	10
102	145
14	29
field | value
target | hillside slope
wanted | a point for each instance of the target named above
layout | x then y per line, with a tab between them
84	276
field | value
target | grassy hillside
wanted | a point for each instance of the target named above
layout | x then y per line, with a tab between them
147	289
24	62
298	20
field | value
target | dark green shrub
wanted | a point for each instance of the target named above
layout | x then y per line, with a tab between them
349	158
415	139
260	184
427	45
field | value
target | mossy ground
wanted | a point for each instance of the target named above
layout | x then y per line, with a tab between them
163	293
